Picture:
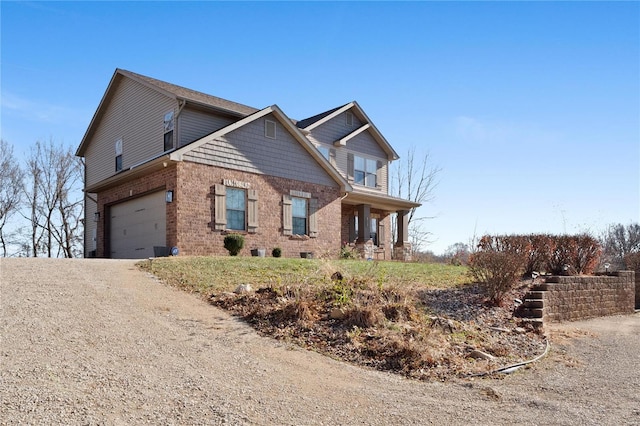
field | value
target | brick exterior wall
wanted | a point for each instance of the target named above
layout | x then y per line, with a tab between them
189	218
194	201
349	211
162	180
578	297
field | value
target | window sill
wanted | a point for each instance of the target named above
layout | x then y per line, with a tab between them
296	237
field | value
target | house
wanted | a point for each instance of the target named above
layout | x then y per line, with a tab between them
166	166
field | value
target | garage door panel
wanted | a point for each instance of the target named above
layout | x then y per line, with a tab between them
137	226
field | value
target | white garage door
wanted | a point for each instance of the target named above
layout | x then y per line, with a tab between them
137	226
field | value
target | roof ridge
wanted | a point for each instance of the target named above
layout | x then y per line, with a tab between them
193	95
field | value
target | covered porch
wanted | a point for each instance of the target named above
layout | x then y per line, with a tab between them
366	225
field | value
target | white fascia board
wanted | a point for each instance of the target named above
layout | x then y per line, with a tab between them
343	141
311	148
386	146
330	116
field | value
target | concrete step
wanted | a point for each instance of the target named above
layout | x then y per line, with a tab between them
534	295
540	287
533	312
533	303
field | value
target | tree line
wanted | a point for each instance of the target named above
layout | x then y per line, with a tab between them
41	202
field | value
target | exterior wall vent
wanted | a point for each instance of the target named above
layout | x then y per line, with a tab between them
270	129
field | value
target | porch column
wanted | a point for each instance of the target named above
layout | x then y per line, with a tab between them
403	246
364	223
403	227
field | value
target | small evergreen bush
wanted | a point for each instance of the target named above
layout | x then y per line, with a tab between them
234	243
276	252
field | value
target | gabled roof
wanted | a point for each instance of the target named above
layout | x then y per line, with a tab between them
308	124
193	96
177	155
168	89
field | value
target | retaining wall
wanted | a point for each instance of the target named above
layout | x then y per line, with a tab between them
569	298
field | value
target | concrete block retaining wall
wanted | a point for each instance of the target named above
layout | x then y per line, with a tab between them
569	298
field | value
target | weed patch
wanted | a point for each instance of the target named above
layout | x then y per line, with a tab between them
418	320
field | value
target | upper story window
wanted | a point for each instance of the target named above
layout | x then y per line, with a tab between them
168	131
236	209
270	129
365	171
118	148
299	215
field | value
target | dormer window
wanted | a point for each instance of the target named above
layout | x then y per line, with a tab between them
349	119
270	129
168	131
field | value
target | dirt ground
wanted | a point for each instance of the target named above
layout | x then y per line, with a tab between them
100	342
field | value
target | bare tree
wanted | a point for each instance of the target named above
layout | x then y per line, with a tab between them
54	198
414	179
11	177
619	240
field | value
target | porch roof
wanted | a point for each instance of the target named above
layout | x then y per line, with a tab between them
379	201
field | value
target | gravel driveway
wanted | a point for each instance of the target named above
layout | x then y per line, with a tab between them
100	342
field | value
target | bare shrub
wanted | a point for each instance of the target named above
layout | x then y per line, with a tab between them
300	310
400	312
542	246
498	264
365	316
574	254
588	251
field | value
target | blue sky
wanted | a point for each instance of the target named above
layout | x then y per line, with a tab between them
531	110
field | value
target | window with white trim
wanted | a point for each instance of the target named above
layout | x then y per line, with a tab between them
299	215
118	149
236	209
168	131
365	171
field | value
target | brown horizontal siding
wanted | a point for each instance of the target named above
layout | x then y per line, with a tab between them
194	124
135	114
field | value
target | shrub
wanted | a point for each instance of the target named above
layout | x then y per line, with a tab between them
574	254
276	252
498	264
348	252
588	251
542	246
234	243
